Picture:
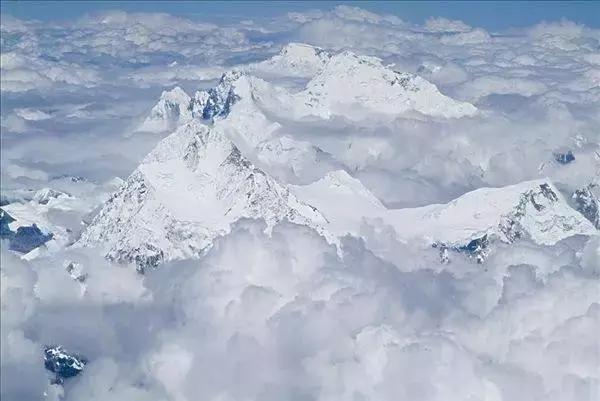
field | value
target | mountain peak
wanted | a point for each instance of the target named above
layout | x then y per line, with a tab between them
170	111
184	194
348	82
294	59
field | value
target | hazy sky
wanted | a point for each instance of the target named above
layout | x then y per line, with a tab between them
486	14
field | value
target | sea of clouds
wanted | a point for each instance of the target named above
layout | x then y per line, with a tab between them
283	317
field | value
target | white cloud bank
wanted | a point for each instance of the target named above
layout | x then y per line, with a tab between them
282	317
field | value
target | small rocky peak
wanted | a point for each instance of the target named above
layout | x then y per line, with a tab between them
587	203
564	157
62	363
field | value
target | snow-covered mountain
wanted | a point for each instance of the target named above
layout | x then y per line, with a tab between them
587	202
171	110
48	217
196	183
534	210
344	84
184	194
294	60
350	84
214	169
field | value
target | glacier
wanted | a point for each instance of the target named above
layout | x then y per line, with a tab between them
197	181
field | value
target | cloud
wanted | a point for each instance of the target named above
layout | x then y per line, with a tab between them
475	36
439	24
275	323
485	86
280	315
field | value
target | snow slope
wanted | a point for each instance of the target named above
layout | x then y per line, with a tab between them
294	60
532	209
344	84
184	194
349	84
200	180
171	110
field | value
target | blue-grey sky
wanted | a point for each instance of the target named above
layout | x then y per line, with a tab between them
488	14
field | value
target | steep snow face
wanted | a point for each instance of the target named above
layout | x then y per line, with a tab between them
533	210
171	110
217	101
345	84
294	60
186	192
349	84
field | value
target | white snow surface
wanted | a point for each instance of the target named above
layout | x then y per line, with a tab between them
344	84
294	60
351	84
196	183
199	180
544	216
184	194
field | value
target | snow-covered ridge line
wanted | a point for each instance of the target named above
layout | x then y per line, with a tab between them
340	84
533	209
294	60
196	183
184	194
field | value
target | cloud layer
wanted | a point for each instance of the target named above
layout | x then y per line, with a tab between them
283	316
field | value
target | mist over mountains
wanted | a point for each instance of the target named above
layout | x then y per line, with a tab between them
320	206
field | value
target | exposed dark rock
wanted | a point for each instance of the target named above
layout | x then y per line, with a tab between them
217	101
588	204
5	220
477	248
75	271
564	158
510	224
63	364
548	192
147	258
27	238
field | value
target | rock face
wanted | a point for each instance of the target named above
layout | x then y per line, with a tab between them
62	363
217	101
587	203
25	238
564	158
532	210
197	181
186	192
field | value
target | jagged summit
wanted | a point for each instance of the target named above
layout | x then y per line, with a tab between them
349	82
345	84
217	101
184	194
532	210
294	60
587	202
